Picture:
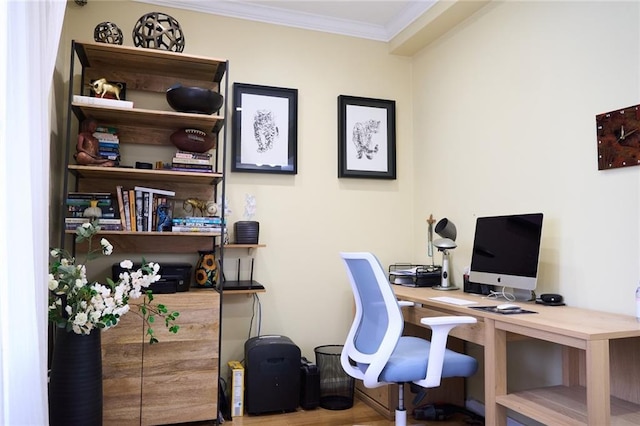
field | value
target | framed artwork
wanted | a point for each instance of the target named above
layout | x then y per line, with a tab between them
265	129
366	138
618	134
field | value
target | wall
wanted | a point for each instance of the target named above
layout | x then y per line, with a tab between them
497	116
305	220
504	122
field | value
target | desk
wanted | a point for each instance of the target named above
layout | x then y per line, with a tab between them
601	353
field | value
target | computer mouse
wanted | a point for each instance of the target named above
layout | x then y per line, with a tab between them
507	307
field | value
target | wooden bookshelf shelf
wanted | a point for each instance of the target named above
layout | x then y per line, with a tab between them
112	173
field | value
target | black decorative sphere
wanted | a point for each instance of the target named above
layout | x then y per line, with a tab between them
158	30
194	99
108	32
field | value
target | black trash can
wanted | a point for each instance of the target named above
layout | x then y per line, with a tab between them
336	387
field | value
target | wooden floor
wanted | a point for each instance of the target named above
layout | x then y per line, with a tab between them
359	415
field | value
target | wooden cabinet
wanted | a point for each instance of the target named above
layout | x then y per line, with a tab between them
173	381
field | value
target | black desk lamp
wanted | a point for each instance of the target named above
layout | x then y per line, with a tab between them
447	230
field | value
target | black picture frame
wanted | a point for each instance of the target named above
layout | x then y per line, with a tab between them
265	129
366	138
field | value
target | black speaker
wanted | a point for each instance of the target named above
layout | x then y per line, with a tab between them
246	231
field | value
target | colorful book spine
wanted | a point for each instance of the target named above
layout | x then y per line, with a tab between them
121	206
194	155
178	160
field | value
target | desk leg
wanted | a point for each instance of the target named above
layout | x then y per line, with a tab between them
598	383
495	373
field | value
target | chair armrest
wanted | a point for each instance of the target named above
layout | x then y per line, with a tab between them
440	327
405	303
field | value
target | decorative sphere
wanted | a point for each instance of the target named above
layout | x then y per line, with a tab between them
158	30
108	32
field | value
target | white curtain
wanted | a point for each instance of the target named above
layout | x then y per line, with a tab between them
29	35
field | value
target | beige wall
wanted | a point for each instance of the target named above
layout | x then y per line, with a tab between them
504	122
305	220
497	116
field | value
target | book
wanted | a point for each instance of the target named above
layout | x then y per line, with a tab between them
132	209
101	221
190	170
197	221
201	167
147	209
107	137
71	223
89	195
180	160
121	206
196	155
90	100
139	211
127	209
155	191
203	229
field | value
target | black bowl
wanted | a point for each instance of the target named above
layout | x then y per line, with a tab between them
194	99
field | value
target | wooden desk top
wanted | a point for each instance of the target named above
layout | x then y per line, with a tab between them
583	324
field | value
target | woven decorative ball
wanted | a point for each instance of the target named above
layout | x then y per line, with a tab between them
158	30
108	32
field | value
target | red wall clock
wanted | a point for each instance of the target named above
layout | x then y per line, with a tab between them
619	138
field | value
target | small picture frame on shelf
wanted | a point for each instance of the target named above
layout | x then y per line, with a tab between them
366	138
265	129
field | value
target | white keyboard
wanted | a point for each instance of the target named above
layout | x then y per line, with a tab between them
453	300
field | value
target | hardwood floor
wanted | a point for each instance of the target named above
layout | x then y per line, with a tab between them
359	415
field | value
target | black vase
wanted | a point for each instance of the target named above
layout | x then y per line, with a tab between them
75	382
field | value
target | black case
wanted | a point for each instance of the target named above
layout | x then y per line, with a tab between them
272	374
309	385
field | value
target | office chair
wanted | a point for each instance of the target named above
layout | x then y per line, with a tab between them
377	353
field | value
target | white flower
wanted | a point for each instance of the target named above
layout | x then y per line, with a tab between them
126	264
107	248
53	283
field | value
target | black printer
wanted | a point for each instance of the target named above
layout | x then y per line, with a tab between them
174	277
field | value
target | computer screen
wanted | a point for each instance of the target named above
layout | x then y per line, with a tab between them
506	251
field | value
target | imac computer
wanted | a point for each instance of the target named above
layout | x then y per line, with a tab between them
506	250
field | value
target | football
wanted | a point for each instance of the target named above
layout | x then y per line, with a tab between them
192	140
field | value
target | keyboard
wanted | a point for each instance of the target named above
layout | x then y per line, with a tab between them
453	300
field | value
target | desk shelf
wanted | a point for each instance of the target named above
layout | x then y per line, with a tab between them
566	405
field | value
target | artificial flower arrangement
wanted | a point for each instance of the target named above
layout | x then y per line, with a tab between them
80	306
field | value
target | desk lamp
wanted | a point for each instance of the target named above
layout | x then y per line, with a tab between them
447	230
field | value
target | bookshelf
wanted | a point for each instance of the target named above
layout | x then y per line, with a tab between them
145	129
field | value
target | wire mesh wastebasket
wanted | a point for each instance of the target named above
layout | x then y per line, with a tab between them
336	387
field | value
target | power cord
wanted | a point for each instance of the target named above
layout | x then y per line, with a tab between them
498	294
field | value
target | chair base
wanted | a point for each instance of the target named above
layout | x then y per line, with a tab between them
401	417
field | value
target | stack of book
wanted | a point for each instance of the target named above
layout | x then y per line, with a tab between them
197	224
144	209
186	161
77	203
109	143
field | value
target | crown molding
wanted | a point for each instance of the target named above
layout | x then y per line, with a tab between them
308	21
